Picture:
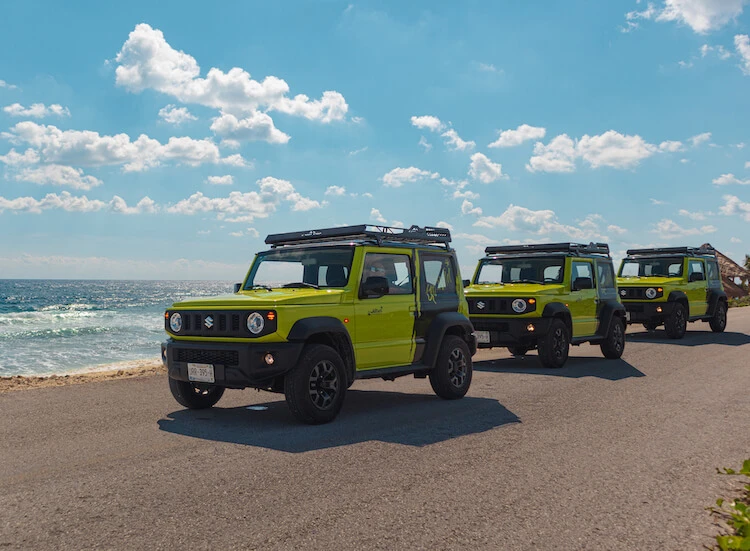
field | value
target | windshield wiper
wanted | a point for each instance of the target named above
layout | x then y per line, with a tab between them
527	281
257	286
300	284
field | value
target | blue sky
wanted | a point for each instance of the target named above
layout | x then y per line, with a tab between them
165	140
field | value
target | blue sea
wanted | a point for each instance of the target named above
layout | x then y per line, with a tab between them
68	326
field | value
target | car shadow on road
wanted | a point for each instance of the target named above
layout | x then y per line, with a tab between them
691	338
611	370
409	419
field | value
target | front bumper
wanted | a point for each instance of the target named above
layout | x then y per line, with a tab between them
511	331
641	312
236	365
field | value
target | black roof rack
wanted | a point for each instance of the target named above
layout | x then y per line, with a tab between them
693	251
567	248
426	236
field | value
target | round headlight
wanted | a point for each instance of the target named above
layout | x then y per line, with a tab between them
255	323
175	322
519	305
650	292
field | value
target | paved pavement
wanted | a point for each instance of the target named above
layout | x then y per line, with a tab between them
598	455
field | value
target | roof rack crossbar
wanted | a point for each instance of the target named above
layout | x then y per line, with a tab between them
567	248
426	235
694	251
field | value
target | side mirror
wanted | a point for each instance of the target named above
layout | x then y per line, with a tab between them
237	287
466	282
581	283
696	276
374	287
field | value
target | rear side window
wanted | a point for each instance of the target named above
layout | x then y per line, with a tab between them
438	275
582	269
396	268
696	267
606	275
713	271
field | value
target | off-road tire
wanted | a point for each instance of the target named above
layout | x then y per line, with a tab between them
614	343
451	376
518	350
676	324
650	326
315	387
555	345
719	320
195	395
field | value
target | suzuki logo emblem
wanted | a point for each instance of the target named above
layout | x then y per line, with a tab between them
208	322
481	305
623	292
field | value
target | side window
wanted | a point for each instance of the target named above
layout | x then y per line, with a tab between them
696	267
675	269
606	275
713	271
396	268
582	269
333	275
438	276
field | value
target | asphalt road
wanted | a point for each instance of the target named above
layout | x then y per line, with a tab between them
598	455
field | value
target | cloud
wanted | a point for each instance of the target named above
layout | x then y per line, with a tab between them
37	110
376	215
357	151
246	207
540	222
28	157
632	17
702	16
728	179
616	229
433	124
657	201
424	143
668	229
453	141
685	64
511	138
484	170
147	61
58	175
399	176
733	205
720	51
88	148
610	149
747	164
671	146
175	115
692	215
735	240
257	127
698	139
7	85
467	207
226	180
443	224
67	202
742	45
335	191
488	68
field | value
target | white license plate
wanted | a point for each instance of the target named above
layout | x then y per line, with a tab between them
483	337
627	316
201	373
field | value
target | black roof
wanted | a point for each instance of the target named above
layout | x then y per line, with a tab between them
379	234
577	249
679	251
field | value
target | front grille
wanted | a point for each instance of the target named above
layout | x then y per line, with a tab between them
633	293
200	356
222	323
491	306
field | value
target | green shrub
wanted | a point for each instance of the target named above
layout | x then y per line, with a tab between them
742	301
736	514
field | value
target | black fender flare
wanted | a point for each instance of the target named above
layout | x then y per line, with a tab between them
439	327
559	310
610	309
714	297
306	328
676	296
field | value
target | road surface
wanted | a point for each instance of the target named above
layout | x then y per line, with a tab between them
601	454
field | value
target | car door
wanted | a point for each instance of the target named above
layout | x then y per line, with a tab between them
697	287
583	302
606	288
385	324
438	292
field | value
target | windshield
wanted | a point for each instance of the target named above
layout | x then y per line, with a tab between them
314	268
651	267
521	270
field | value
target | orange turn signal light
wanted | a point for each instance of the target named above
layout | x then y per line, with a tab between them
271	316
166	315
532	301
659	289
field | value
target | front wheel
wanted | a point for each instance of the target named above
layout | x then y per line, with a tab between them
315	388
676	324
451	376
614	344
195	395
555	345
719	321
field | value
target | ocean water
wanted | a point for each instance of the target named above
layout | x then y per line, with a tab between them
66	326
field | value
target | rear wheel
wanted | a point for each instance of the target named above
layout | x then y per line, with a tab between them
676	324
719	321
315	388
555	345
518	350
451	376
195	395
614	345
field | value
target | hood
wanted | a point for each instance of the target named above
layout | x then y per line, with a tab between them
513	289
647	281
260	298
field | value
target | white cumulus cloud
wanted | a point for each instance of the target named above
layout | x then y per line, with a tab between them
742	45
484	170
176	115
335	191
702	16
226	180
525	132
70	203
37	110
399	176
58	175
453	141
728	179
668	229
699	139
733	205
429	122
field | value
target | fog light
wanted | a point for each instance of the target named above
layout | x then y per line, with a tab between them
530	328
658	309
269	359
